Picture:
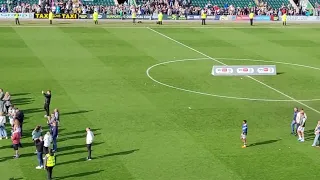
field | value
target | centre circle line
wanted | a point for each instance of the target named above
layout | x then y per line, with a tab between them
222	96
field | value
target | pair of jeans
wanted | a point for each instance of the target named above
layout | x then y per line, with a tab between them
89	150
293	124
3	132
40	159
54	142
316	139
49	173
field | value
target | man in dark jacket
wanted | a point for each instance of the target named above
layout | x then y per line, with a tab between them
39	145
20	117
54	131
47	101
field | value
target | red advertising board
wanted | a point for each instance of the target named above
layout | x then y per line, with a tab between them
241	18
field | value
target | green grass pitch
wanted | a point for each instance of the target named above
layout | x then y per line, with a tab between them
147	131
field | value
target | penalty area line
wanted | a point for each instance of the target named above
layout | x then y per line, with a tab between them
209	57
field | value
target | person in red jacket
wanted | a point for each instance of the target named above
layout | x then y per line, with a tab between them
15	143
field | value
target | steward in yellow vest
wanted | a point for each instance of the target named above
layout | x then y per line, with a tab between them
251	15
16	17
284	19
203	17
160	18
49	163
50	17
134	16
95	17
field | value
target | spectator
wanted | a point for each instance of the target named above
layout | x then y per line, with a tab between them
3	132
57	115
39	146
11	114
54	131
7	102
19	115
16	143
47	140
317	133
36	134
1	99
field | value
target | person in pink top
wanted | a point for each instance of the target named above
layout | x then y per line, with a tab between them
15	143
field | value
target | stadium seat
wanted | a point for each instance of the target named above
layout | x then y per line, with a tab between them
220	3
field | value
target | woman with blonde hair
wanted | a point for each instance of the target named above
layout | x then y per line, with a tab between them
7	102
3	132
317	133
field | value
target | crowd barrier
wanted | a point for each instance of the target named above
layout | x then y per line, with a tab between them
12	15
155	17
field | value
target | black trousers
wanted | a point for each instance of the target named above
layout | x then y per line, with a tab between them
134	20
17	21
203	21
89	150
96	22
251	22
50	21
49	173
46	107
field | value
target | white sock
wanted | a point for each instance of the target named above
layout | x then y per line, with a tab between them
299	136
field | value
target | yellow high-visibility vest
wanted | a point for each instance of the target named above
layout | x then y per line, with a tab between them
50	160
16	15
50	16
251	15
203	15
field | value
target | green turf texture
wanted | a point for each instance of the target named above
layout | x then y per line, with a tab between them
146	131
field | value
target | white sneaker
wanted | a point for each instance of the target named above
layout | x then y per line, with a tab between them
6	137
0	138
38	167
45	116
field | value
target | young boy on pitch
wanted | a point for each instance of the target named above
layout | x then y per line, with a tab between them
244	133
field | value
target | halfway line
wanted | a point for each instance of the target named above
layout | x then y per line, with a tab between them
226	65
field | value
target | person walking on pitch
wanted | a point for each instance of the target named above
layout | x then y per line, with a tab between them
50	17
49	162
89	141
47	95
16	17
244	133
95	17
134	16
251	15
284	19
160	18
203	17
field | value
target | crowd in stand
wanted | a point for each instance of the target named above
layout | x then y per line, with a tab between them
148	7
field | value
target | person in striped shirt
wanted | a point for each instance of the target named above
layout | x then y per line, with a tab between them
301	123
244	133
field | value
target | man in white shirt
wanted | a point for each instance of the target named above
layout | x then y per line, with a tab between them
301	123
89	141
47	140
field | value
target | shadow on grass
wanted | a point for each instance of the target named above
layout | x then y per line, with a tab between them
71	153
3	159
309	135
24	145
79	132
264	142
74	176
33	110
75	137
75	112
20	94
15	178
22	101
100	157
279	73
67	148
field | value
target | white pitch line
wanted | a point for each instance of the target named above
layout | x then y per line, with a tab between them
163	35
162	27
